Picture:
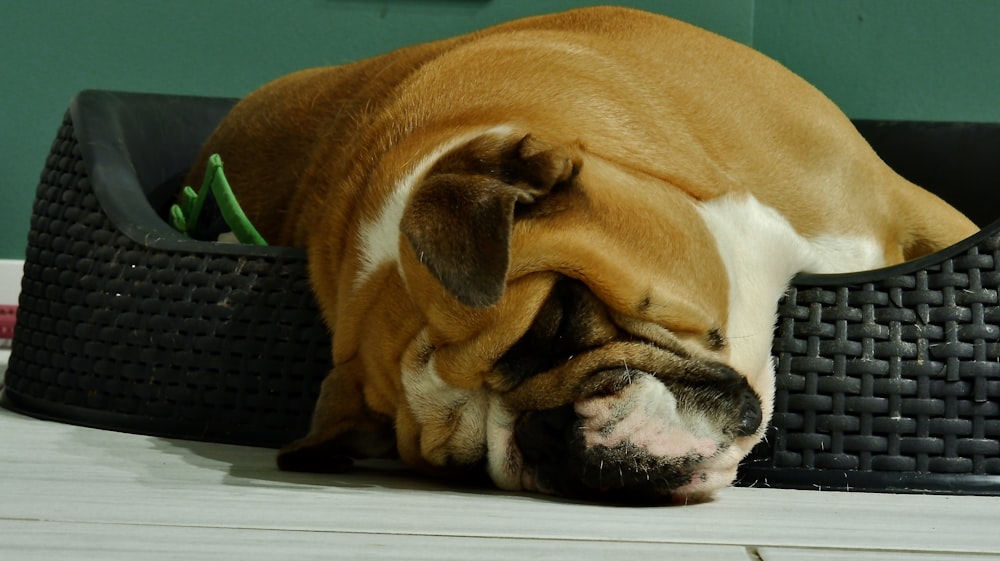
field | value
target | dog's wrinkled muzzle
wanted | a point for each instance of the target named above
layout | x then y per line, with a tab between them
642	445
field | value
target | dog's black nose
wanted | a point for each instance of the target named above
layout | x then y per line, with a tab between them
736	395
750	414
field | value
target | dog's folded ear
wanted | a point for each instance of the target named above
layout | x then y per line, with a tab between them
342	431
459	219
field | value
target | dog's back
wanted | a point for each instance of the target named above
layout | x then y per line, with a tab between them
649	93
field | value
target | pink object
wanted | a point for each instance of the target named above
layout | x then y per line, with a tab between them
8	316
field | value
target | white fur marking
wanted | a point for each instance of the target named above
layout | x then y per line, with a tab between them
452	420
762	251
504	462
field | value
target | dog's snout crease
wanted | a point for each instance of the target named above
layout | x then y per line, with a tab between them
750	414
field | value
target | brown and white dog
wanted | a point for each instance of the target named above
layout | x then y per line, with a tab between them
552	250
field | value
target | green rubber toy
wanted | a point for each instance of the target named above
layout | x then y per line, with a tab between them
184	215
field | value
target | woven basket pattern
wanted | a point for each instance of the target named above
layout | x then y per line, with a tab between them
116	334
898	378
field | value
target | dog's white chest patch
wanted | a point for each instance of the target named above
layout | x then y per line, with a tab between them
379	238
762	252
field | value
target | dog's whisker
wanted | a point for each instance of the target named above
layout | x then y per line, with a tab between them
747	336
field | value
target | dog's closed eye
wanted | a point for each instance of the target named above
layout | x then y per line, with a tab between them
570	321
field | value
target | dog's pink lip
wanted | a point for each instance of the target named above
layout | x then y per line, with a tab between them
685	499
708	478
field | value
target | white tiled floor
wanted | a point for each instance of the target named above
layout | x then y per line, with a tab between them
69	493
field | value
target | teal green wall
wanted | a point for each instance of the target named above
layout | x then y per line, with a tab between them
893	59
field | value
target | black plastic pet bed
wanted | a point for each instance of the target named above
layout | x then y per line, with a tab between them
887	381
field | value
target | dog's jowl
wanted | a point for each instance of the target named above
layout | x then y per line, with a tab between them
551	251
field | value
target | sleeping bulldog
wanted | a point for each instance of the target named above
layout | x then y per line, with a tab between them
551	251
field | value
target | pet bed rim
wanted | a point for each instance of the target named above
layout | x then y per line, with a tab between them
121	195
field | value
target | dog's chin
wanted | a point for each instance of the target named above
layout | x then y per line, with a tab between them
636	447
